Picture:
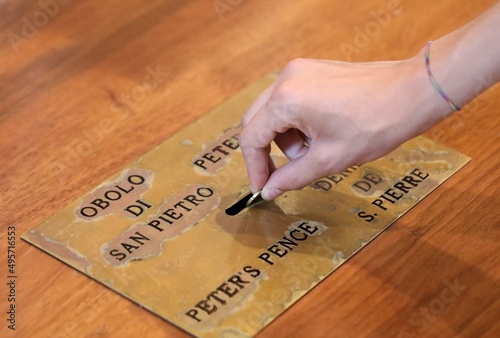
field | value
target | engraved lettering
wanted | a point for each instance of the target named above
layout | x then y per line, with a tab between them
212	159
299	231
172	219
112	195
121	196
236	286
392	196
331	181
367	183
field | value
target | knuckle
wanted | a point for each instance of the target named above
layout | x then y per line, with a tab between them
283	93
296	65
286	100
250	140
245	119
244	139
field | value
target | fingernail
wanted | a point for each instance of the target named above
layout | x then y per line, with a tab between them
270	193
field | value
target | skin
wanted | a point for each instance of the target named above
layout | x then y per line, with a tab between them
329	115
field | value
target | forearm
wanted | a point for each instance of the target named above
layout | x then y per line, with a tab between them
329	115
467	61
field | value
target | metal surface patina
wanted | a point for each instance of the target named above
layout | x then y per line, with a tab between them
159	233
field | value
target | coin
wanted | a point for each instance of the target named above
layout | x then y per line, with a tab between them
255	198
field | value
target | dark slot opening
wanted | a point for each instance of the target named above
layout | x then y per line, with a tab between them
239	205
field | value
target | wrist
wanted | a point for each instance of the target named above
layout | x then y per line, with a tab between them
440	89
466	62
427	105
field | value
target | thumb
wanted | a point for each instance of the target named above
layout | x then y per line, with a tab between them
296	174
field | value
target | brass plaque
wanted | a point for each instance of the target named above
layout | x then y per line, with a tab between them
158	234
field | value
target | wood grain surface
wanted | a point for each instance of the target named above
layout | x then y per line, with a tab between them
77	103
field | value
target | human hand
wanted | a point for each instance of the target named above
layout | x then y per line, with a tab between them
327	116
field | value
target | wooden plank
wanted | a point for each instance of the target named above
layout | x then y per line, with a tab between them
65	88
157	232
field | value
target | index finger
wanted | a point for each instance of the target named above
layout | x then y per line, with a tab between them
255	142
257	105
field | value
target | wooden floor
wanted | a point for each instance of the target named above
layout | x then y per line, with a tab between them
74	109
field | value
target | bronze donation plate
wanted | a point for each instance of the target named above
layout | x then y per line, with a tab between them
158	234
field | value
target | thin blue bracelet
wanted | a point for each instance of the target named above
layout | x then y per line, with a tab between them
431	77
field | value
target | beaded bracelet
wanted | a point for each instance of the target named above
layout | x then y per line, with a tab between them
431	77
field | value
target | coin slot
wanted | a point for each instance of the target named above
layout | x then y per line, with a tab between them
239	205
